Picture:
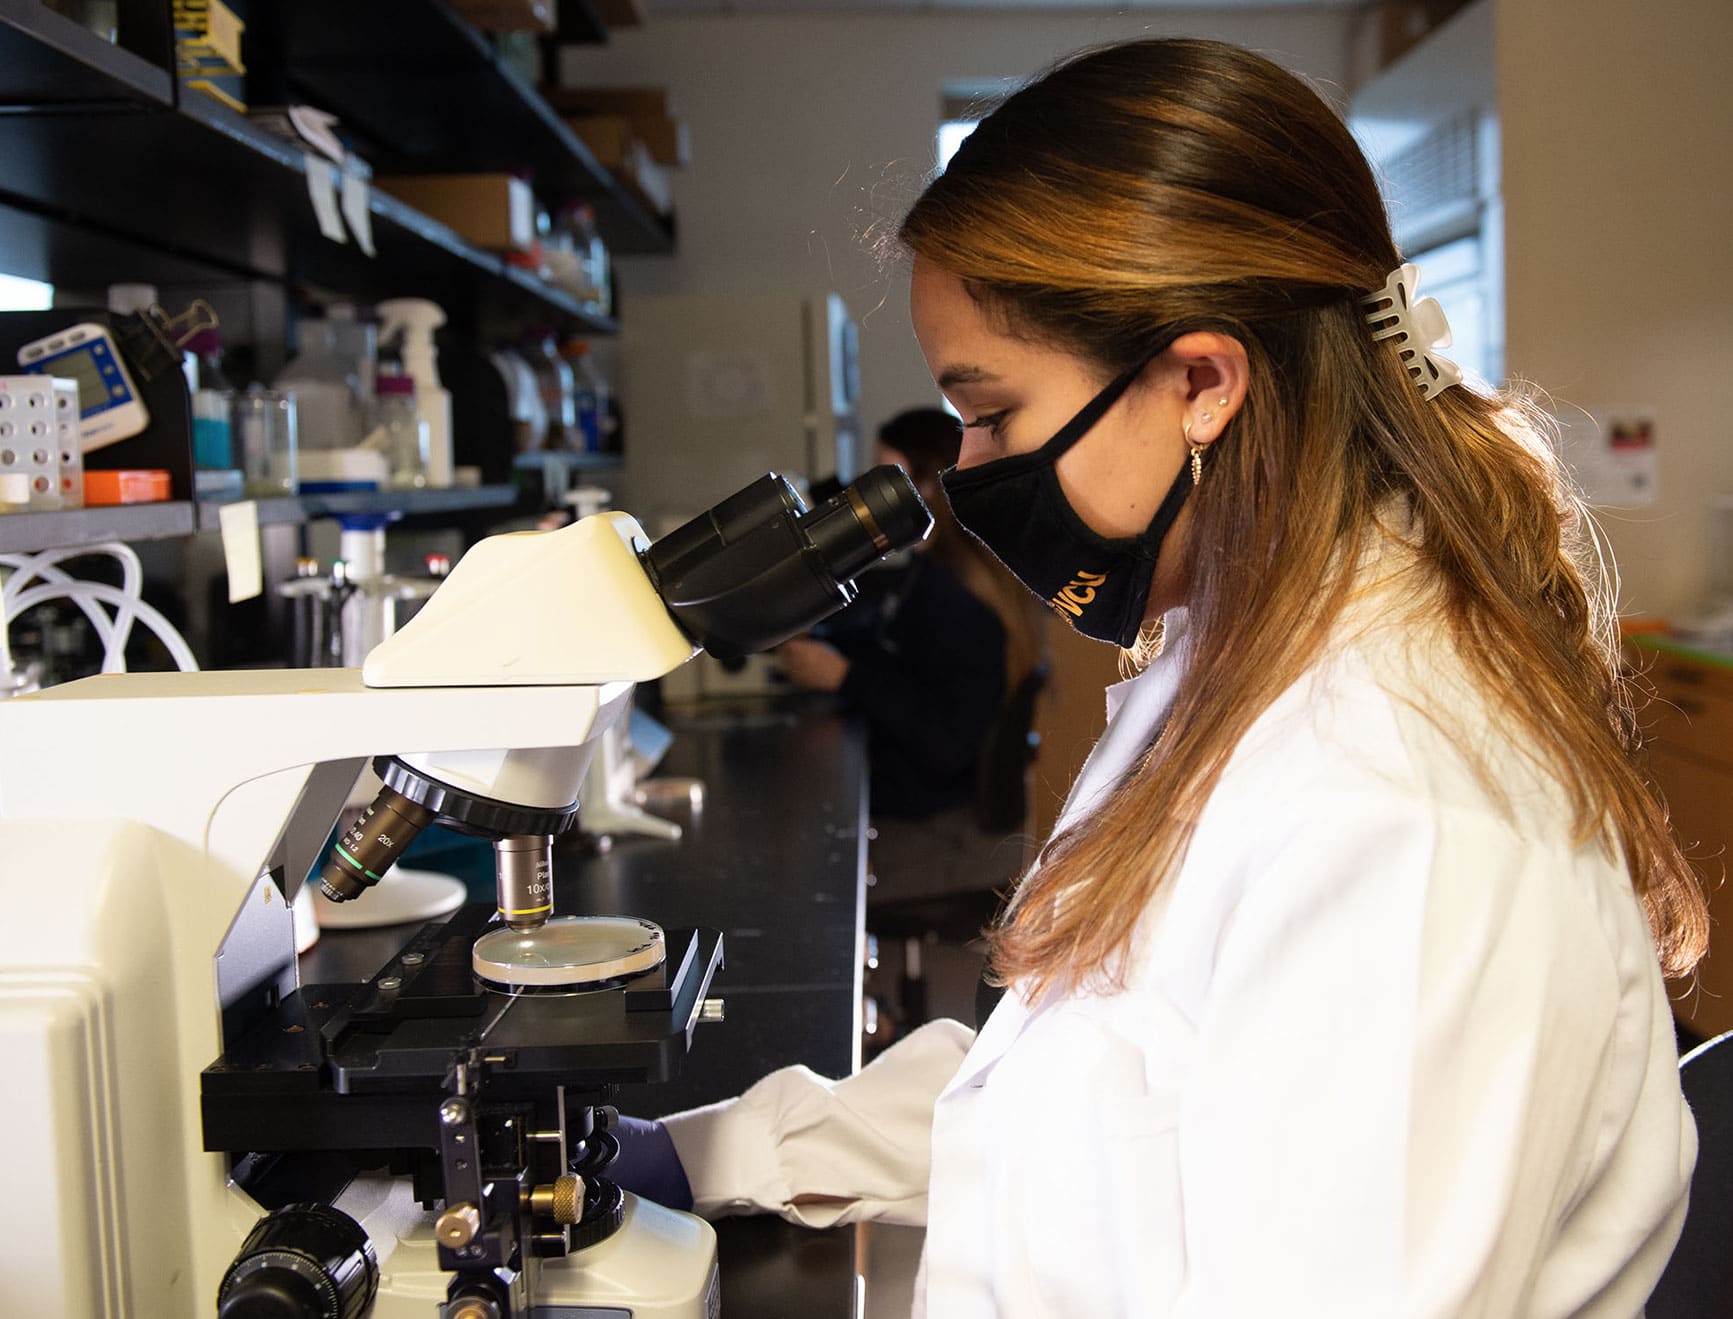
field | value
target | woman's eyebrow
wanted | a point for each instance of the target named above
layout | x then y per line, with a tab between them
966	375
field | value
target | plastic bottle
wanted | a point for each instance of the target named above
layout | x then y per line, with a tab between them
413	321
563	257
331	378
400	432
590	396
357	343
213	396
124	299
558	389
598	294
523	399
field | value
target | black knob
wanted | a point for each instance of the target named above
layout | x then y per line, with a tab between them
274	1291
305	1261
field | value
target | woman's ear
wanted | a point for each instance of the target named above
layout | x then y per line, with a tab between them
1214	374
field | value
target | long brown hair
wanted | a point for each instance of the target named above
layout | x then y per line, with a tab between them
1164	185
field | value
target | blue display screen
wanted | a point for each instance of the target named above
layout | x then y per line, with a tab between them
92	364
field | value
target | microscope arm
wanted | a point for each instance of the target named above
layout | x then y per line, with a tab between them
596	602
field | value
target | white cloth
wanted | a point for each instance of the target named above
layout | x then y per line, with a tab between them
1389	1048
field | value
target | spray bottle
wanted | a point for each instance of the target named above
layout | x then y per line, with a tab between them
415	320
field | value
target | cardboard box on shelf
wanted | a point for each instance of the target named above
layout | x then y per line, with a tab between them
633	102
649	111
510	15
667	140
609	138
207	38
618	149
649	180
493	211
620	13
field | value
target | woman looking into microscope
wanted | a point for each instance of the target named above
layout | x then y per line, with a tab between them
1338	989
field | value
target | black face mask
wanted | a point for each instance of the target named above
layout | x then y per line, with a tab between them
1016	508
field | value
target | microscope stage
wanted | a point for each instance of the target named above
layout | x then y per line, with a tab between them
363	1066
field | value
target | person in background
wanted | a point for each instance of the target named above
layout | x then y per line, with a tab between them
1338	990
926	656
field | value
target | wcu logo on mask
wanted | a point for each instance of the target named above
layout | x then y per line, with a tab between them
1078	592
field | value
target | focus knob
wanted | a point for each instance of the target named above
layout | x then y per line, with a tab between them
306	1261
562	1200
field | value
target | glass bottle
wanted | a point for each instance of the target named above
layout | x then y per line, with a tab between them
400	432
266	434
213	398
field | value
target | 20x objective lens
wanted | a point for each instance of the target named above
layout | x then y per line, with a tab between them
371	846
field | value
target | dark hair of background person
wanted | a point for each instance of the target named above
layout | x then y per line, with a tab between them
930	439
1165	185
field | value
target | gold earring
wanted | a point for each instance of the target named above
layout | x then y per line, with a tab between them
1221	402
1196	455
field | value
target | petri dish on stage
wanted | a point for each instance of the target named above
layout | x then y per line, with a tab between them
569	953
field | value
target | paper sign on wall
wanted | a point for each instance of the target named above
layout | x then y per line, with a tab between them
725	385
1612	453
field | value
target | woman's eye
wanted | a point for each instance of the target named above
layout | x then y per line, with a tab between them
989	422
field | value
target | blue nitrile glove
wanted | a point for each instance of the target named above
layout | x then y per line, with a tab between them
648	1164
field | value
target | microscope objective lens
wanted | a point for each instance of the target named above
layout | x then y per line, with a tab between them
368	848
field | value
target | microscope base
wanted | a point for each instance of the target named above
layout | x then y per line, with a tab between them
660	1264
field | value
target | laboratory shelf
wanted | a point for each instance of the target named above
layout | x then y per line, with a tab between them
577	462
581	23
200	193
456	499
48	62
559	300
424	92
23	533
391	503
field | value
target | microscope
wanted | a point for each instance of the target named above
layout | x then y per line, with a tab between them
193	1130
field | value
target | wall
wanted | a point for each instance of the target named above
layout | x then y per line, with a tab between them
1618	199
808	128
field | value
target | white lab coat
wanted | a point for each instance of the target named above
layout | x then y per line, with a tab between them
1389	1050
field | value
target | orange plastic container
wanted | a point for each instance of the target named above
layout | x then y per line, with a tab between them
132	486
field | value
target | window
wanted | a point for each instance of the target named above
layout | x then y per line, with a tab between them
963	103
1441	186
20	294
1460	276
951	135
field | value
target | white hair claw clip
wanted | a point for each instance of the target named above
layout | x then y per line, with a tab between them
1417	327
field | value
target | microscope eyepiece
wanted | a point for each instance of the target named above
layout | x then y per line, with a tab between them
866	521
761	567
